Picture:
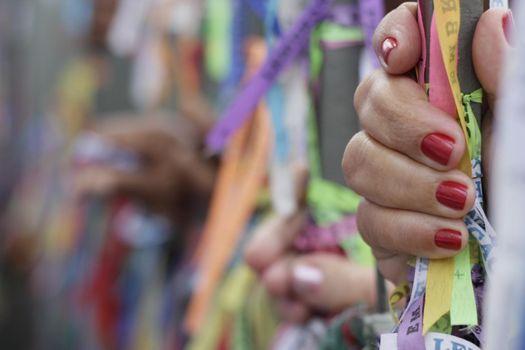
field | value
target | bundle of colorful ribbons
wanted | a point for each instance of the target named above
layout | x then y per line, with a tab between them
445	304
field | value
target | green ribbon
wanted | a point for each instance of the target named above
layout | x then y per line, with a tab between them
327	194
217	38
474	141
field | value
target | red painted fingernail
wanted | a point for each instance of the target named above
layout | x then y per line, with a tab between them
452	195
438	147
386	48
508	26
448	239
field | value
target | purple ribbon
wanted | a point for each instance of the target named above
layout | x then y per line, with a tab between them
410	335
286	50
345	15
371	13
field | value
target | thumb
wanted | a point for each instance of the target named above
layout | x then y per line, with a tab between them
489	47
396	40
330	283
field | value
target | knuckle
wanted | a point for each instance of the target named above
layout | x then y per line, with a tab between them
361	219
355	158
362	92
380	91
366	230
383	113
385	105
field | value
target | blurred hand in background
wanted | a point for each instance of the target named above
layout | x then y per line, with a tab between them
171	167
305	285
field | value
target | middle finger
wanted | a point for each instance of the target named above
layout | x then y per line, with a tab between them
396	181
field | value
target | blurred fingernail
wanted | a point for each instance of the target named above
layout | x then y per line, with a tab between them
448	239
438	147
307	279
388	45
452	195
508	26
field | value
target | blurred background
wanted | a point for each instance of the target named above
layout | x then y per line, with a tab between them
102	103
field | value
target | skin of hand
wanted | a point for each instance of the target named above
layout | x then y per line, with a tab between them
404	162
172	169
305	284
